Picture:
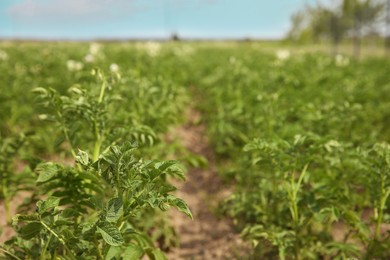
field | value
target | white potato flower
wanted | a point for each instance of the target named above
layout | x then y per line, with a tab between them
89	58
183	51
3	55
232	59
282	54
341	61
152	48
94	48
74	65
114	67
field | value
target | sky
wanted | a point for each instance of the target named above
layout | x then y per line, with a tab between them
122	19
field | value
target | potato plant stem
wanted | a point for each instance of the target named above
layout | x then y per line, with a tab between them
98	252
102	90
70	143
293	199
9	253
294	212
97	145
384	194
43	253
295	187
6	200
63	125
98	136
71	256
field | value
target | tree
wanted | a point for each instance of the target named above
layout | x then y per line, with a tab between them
329	24
298	24
360	17
387	34
318	23
350	18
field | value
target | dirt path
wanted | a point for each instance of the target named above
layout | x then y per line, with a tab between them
207	236
5	231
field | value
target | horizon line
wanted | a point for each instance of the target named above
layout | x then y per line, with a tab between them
134	39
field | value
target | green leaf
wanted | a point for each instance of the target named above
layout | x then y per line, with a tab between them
82	158
28	218
89	176
249	147
181	206
46	171
30	230
354	219
95	187
40	90
96	202
133	252
158	255
62	222
116	150
197	161
113	253
114	210
346	248
70	213
142	239
110	234
162	166
49	203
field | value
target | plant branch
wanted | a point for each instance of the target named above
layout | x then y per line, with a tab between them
9	253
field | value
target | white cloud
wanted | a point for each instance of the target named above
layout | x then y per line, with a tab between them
52	12
67	10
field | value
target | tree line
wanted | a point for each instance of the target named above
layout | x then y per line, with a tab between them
342	20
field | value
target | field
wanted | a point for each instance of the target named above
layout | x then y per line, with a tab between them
262	152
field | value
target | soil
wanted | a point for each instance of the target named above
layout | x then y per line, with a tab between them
6	231
206	236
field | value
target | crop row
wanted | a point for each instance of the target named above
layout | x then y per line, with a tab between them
306	140
82	143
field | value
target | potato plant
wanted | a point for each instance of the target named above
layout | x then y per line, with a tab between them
302	139
89	209
11	183
299	195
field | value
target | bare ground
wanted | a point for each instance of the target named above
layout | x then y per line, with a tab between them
6	231
206	236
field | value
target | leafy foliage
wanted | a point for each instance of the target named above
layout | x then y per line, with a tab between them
304	138
90	207
301	142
